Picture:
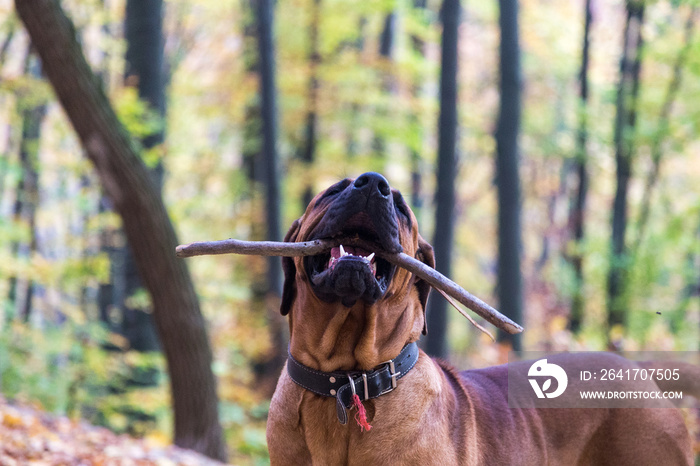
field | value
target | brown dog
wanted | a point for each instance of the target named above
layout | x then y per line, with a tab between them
350	312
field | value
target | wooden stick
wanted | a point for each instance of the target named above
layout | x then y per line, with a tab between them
441	282
310	248
254	248
465	315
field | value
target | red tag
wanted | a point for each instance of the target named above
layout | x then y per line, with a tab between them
361	415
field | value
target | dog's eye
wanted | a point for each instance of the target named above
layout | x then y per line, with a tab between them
335	189
401	206
403	210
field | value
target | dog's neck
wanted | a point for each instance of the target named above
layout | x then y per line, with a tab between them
350	338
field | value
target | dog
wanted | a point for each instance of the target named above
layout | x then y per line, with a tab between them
354	320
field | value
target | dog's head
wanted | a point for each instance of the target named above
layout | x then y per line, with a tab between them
368	209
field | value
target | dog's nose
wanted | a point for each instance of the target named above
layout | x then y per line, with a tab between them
371	182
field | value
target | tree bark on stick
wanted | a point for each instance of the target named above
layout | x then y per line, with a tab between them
309	248
135	197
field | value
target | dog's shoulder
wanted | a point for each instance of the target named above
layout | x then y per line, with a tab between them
285	403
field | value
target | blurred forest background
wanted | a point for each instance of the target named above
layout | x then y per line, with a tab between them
548	149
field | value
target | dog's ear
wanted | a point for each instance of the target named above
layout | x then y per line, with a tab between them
289	289
426	255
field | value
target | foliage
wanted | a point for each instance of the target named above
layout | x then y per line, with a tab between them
62	356
30	436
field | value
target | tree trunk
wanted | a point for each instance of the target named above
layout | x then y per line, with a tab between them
625	121
21	289
252	126
310	134
265	366
418	46
7	42
507	177
386	52
578	205
387	39
268	92
355	108
136	199
144	70
4	162
436	341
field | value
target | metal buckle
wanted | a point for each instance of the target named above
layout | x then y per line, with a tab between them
364	382
393	374
352	383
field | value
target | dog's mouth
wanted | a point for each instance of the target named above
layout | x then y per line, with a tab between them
349	271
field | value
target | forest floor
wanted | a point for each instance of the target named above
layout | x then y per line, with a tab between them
29	436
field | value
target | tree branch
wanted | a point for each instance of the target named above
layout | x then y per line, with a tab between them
310	248
662	132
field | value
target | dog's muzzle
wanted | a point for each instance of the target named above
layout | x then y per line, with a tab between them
362	211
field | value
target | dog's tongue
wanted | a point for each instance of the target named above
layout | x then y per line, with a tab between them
335	252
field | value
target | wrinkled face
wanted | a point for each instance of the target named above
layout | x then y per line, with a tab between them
367	216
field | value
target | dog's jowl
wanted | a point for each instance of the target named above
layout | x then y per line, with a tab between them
357	390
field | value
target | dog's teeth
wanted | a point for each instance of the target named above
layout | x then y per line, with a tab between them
342	251
370	257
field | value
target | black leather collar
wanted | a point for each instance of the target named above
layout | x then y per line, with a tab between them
342	385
